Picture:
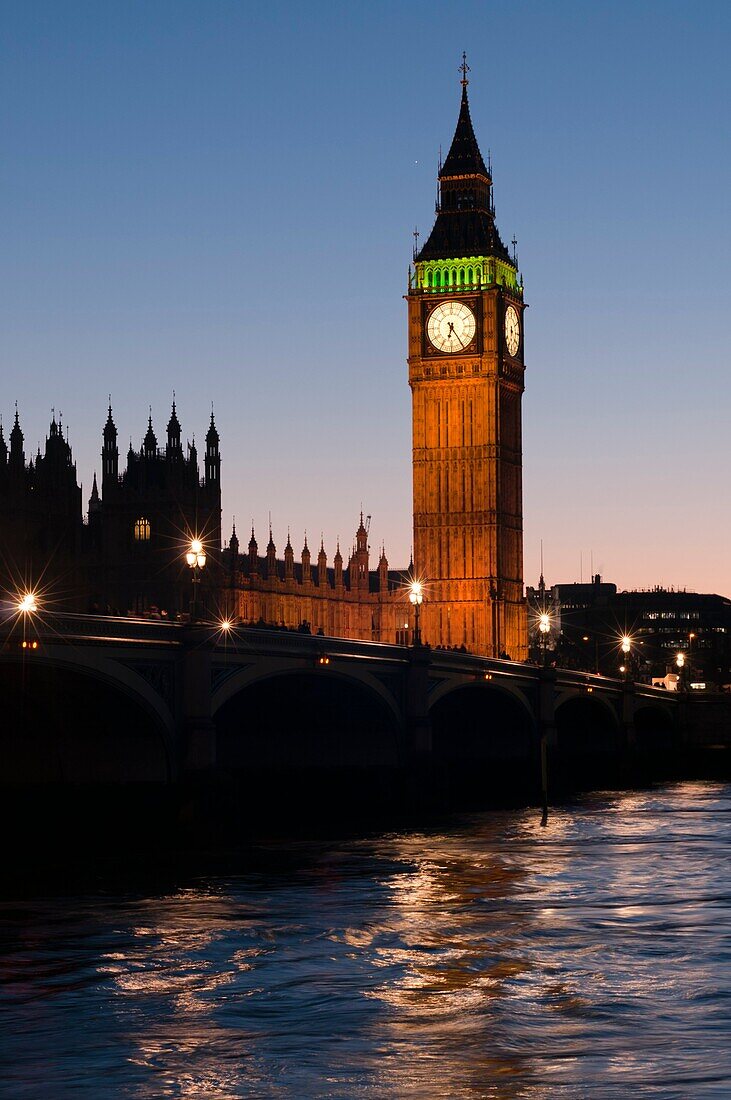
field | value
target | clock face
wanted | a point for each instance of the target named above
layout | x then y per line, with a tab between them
451	327
512	330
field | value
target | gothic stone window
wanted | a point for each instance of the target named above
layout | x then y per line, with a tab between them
142	530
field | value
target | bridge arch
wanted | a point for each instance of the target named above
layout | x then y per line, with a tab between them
484	739
124	678
244	678
588	730
502	686
82	722
308	742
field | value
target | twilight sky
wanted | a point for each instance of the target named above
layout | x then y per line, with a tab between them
218	198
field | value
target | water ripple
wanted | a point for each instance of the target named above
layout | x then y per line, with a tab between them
493	959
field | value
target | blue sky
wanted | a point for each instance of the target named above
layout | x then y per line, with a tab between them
218	198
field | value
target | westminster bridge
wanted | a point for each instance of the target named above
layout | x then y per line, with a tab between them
91	699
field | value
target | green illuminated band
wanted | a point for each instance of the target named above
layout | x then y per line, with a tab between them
467	273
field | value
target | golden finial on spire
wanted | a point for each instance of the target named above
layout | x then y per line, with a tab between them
464	69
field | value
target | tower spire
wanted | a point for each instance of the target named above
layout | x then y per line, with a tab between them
465	224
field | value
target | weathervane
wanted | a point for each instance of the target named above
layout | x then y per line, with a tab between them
464	69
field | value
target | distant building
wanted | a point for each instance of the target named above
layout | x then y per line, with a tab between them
543	601
660	622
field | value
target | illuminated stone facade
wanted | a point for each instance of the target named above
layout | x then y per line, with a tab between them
466	375
346	601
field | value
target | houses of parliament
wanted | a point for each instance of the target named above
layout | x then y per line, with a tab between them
465	369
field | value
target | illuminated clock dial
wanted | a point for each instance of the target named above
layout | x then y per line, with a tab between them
451	326
512	330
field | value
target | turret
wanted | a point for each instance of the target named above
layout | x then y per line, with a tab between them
322	566
288	560
174	451
383	572
110	451
361	537
3	449
149	443
233	545
95	503
213	458
16	461
359	566
271	557
306	564
233	542
253	553
338	567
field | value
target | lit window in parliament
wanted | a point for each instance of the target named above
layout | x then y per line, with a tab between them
142	530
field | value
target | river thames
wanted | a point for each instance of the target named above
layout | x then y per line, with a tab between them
483	957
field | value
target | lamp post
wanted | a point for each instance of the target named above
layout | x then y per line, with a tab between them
196	559
626	647
544	625
416	596
680	665
27	605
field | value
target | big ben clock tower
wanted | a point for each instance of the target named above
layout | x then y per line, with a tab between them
466	372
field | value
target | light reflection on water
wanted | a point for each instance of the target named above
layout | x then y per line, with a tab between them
493	960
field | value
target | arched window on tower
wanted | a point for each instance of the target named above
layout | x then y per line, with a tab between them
470	276
142	530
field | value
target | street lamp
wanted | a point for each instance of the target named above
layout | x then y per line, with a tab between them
28	604
416	596
544	625
626	646
680	665
196	559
